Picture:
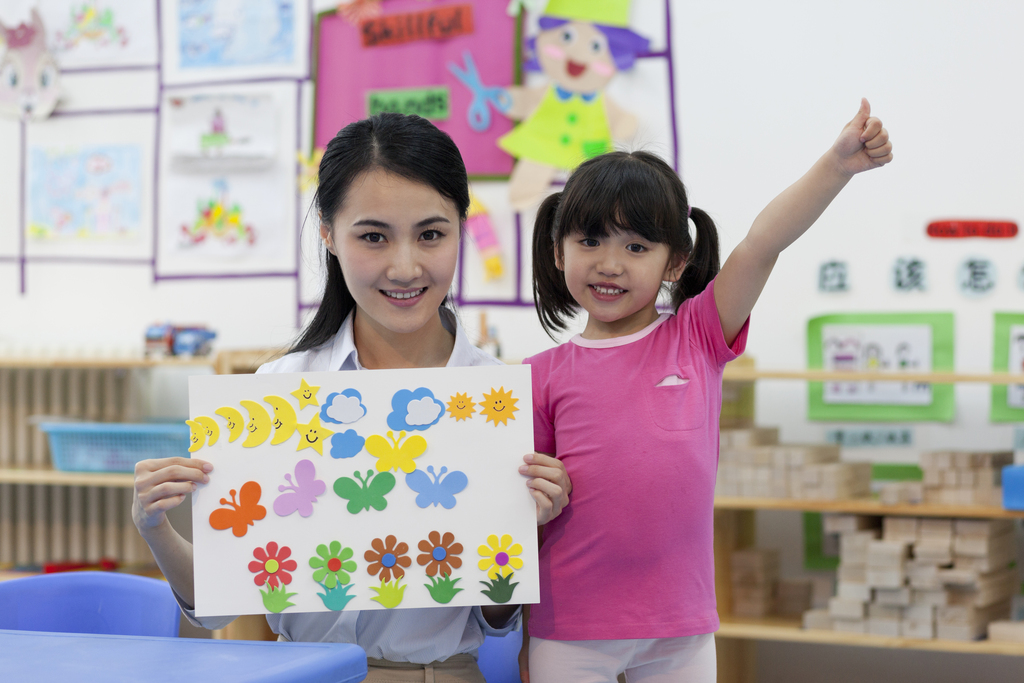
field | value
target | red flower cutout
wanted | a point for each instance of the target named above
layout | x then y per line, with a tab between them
440	553
389	558
272	566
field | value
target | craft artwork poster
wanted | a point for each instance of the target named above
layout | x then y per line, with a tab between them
101	33
880	343
380	489
1008	356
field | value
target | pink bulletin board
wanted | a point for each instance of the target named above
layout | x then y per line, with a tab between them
346	71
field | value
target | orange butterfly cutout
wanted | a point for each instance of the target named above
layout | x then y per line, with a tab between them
244	514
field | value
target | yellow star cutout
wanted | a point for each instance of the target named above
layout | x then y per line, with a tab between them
461	407
306	395
313	435
499	405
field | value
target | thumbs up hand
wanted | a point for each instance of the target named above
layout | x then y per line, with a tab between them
863	144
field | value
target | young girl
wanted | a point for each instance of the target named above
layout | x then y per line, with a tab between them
392	198
631	405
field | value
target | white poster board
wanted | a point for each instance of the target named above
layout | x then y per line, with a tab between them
389	489
877	348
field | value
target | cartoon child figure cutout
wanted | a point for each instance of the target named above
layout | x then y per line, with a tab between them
581	46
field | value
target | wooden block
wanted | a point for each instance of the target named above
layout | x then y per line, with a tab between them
931	597
886	578
884	627
935	529
844	524
745	438
887	554
900	529
1008	631
848	590
919	613
838	608
983	527
877	611
923	575
892	597
912	628
984	546
817	619
852	573
850	625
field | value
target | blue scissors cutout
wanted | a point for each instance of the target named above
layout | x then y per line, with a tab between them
479	113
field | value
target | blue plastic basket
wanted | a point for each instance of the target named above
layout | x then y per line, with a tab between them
112	447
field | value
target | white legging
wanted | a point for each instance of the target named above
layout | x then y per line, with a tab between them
658	660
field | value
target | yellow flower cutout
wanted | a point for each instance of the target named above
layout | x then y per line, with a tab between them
499	405
306	395
461	407
499	557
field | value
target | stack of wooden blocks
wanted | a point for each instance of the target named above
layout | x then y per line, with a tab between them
753	464
754	574
793	597
964	478
922	578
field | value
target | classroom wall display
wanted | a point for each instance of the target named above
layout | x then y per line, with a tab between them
230	40
89	200
909	274
430	57
10	172
976	276
384	489
833	276
29	77
229	191
88	34
881	343
1008	356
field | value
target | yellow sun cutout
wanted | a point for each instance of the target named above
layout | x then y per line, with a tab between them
461	407
306	395
499	405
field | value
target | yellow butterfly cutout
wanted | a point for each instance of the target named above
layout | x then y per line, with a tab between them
396	455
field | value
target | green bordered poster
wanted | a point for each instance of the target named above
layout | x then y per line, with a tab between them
882	343
1008	356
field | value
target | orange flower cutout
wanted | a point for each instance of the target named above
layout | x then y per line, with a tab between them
389	558
440	554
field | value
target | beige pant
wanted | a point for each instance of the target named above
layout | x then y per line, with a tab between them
455	669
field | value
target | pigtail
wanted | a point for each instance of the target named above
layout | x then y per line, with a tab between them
554	302
703	264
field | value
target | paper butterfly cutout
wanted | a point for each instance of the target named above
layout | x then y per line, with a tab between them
302	493
242	514
369	495
439	491
396	455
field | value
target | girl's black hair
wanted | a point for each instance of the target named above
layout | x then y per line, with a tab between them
631	192
407	146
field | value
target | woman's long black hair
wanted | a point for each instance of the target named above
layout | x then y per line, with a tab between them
408	146
633	192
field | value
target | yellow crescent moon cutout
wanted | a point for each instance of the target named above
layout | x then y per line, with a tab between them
284	419
236	423
211	427
259	426
197	437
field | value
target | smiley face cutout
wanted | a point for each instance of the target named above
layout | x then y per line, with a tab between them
196	437
306	395
284	419
211	427
499	405
312	435
461	407
235	422
259	425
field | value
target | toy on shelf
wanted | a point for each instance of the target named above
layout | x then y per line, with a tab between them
178	340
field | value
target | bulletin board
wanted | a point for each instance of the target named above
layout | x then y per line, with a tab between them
1008	356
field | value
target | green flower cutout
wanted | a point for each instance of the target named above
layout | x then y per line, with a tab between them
332	565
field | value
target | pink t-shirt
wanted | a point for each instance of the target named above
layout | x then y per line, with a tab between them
635	422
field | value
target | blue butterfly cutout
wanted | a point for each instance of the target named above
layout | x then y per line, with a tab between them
437	491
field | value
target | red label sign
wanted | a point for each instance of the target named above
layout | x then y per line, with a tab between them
433	24
954	229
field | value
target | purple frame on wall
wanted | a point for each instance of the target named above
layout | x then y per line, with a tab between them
22	259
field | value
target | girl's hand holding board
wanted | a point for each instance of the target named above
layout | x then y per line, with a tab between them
550	485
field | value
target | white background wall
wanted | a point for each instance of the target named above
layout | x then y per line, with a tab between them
762	91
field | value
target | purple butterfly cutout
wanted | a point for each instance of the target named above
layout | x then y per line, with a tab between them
302	493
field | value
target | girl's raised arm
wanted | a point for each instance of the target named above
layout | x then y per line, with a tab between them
862	145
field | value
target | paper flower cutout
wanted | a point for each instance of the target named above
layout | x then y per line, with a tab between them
306	395
332	565
272	565
499	405
440	554
414	410
499	557
390	558
346	444
343	407
461	407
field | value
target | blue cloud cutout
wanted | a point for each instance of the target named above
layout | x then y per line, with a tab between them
414	411
346	444
343	407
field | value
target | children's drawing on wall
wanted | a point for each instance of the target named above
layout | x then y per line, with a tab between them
222	132
877	349
218	218
101	33
29	77
224	33
89	193
580	47
1015	392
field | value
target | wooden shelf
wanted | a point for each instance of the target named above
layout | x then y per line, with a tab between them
746	373
866	506
105	363
116	479
790	631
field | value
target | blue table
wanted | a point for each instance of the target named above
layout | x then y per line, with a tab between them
79	657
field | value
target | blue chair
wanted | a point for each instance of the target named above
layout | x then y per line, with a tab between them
89	602
499	658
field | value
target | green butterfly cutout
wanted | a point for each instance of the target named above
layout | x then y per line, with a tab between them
369	495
